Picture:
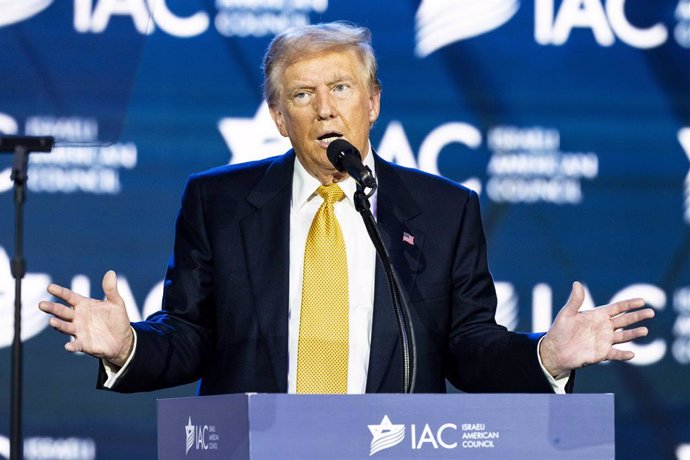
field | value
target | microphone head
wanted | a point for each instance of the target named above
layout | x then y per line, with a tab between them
337	150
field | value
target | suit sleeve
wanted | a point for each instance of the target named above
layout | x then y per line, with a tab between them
173	345
483	356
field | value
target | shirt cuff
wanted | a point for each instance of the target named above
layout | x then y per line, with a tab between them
558	384
112	372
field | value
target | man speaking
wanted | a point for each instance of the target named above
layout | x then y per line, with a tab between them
274	285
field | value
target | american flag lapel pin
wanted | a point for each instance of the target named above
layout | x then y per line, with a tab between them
407	238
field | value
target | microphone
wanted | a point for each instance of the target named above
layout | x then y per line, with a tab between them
346	158
8	144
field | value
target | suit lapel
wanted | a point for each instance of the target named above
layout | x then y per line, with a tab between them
266	238
395	213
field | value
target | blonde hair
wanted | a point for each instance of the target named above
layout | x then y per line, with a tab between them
297	42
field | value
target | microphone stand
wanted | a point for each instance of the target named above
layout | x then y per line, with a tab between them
21	147
400	305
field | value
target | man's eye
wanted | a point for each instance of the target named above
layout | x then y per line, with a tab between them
301	97
339	88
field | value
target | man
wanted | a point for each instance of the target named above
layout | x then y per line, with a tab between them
249	308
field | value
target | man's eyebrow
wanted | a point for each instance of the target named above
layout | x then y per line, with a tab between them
300	85
340	79
308	85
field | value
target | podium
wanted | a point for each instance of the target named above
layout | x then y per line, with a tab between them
387	426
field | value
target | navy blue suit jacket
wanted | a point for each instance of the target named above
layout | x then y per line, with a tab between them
225	306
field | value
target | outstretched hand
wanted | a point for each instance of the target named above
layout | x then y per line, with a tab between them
577	339
98	327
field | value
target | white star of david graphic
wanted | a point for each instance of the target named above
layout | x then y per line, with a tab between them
385	435
254	138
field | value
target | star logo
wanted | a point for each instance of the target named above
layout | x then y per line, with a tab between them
385	435
33	291
8	125
441	22
189	430
254	138
684	139
18	10
6	183
507	309
4	446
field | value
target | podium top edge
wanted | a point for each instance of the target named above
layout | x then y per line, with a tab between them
525	396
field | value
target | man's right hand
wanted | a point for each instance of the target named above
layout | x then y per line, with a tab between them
98	327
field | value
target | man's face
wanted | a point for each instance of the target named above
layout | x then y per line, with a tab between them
324	97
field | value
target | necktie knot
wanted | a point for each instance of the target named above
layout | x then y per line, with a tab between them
331	193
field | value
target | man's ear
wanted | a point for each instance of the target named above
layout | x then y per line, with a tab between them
278	119
374	105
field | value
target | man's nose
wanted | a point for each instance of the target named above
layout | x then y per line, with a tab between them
325	104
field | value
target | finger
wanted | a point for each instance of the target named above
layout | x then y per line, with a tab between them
628	335
629	318
65	294
620	355
110	288
57	309
74	346
577	297
62	326
624	305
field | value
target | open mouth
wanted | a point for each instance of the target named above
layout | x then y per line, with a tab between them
329	137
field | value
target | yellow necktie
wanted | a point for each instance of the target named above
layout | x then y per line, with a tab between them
324	316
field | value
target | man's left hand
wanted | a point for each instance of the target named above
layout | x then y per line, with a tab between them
577	339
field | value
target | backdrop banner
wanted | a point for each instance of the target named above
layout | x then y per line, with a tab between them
570	118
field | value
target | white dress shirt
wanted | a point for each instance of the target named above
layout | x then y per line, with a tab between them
361	266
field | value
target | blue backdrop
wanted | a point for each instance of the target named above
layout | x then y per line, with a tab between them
571	118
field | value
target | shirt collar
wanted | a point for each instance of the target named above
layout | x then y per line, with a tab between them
304	185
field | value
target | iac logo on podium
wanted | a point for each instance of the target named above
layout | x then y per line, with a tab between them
433	436
200	437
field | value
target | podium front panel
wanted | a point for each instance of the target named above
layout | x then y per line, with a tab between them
209	427
388	427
